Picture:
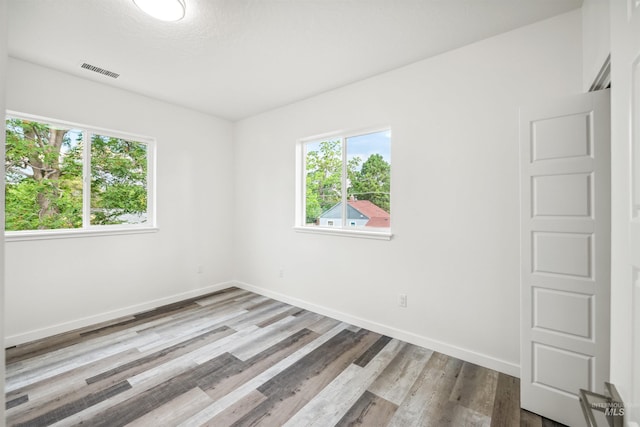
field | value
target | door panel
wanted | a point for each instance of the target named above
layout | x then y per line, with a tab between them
562	253
561	370
561	137
550	306
565	220
562	195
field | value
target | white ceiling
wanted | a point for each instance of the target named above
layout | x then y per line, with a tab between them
236	58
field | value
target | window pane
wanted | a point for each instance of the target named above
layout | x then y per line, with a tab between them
118	181
43	176
369	180
323	165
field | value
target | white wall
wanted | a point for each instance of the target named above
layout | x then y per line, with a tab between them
625	326
56	285
595	39
455	201
3	66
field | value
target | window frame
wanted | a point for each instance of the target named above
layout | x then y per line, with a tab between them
87	229
344	230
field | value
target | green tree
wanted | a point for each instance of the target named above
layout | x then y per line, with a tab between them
370	180
43	176
118	180
373	182
324	178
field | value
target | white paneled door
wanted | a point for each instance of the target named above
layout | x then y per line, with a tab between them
565	247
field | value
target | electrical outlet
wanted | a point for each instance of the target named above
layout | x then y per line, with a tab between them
281	273
200	269
402	300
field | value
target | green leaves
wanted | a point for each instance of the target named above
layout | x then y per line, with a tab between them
44	178
324	178
118	180
370	180
373	182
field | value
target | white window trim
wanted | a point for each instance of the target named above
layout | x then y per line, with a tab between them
88	230
300	220
66	233
345	232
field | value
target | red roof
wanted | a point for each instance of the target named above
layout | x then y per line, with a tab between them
378	217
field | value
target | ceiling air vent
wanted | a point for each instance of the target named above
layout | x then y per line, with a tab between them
100	70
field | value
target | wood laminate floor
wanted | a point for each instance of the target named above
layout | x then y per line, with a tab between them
234	358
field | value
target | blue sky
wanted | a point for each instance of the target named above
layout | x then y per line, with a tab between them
365	145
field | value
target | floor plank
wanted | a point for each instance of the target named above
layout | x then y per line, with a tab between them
238	410
395	382
261	363
234	358
334	400
230	398
475	389
293	388
506	407
148	400
426	403
370	410
174	411
64	411
528	419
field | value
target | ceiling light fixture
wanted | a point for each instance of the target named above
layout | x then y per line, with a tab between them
165	10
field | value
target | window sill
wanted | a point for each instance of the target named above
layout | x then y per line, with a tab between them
20	236
362	234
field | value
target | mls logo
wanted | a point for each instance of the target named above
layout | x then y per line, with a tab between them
609	403
614	411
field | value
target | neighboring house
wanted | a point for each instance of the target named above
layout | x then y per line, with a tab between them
360	213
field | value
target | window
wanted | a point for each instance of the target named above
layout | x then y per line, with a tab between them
345	184
61	176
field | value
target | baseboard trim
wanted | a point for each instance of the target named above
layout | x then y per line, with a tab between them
110	315
436	345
